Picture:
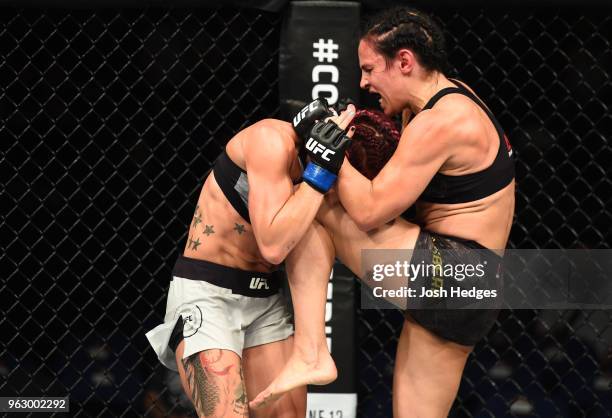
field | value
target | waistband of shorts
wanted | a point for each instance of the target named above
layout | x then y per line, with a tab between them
241	282
424	235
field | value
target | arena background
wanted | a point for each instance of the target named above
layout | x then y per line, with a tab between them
111	118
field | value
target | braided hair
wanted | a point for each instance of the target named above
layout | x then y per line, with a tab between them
404	27
374	141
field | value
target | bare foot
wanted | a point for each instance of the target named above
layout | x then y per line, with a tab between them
297	372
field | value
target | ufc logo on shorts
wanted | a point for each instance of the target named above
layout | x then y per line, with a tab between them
316	148
258	283
298	118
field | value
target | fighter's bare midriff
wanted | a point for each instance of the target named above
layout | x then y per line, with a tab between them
229	240
486	221
224	236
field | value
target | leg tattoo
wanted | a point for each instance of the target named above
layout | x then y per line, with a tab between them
210	385
240	398
204	387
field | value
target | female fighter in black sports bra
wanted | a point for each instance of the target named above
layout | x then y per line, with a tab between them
454	163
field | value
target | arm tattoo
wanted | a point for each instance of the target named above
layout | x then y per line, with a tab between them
209	230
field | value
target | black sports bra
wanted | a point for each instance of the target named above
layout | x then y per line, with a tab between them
469	187
234	183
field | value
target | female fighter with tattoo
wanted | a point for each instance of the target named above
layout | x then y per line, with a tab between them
227	328
454	162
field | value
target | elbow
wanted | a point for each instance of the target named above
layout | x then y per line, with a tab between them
273	254
363	215
364	222
273	247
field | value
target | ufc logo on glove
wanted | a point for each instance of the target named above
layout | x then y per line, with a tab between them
315	147
308	109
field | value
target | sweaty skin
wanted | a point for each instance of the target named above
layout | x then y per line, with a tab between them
214	379
455	137
281	220
280	212
217	232
488	220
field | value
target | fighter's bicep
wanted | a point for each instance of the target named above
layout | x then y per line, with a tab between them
418	157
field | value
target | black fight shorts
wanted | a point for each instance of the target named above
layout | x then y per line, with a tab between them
470	324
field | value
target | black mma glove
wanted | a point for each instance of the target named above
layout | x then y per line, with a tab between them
326	147
343	103
305	119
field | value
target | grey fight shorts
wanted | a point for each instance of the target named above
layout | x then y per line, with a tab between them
210	306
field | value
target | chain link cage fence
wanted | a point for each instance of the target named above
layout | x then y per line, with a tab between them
110	120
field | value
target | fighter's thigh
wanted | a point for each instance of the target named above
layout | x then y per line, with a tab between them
427	373
214	381
262	364
349	240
